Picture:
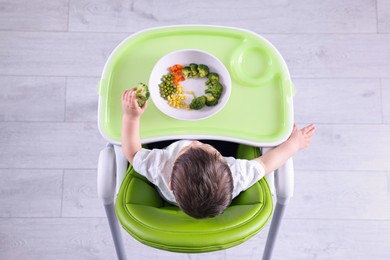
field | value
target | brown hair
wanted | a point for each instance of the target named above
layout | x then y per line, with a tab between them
202	183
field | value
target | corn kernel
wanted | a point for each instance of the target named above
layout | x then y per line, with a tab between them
177	99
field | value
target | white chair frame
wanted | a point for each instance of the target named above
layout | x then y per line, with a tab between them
112	168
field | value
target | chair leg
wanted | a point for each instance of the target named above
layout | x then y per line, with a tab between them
273	231
271	183
121	166
115	231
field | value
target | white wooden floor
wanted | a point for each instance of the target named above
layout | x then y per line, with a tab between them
51	56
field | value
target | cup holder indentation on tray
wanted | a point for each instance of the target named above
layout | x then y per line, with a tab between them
251	65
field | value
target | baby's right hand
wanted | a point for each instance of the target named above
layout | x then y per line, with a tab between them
301	138
130	105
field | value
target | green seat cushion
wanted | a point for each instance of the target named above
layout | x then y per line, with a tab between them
154	222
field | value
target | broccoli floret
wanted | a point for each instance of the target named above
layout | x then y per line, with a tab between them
187	72
215	89
203	70
211	100
142	94
212	76
198	103
194	70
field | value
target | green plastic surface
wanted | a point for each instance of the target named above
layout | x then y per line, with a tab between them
154	222
259	108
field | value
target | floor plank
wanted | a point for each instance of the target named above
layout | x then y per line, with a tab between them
361	195
81	99
262	16
50	145
334	239
347	148
19	97
383	16
307	239
335	55
55	53
80	195
333	101
52	56
89	239
77	54
55	239
34	15
30	193
385	100
74	238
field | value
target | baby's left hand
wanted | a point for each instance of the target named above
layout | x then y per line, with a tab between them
301	138
130	105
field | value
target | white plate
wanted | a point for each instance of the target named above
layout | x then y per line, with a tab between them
185	57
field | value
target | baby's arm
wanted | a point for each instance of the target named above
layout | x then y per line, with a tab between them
298	140
132	112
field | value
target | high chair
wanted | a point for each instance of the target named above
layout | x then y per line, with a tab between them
258	116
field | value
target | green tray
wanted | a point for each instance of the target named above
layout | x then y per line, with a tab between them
259	111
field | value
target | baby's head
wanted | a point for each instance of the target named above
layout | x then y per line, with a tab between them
201	181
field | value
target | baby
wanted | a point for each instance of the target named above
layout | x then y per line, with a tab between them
194	175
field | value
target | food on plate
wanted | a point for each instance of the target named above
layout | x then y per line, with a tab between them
203	70
213	77
214	88
211	101
176	71
177	99
167	87
198	103
174	93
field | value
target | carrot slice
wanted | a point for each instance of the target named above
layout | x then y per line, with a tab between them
177	73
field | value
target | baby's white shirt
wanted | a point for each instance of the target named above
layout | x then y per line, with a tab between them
156	165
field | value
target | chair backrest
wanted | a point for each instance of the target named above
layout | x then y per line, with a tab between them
154	222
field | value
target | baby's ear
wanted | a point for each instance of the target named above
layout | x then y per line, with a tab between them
170	185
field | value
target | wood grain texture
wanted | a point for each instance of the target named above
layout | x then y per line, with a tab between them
333	239
359	195
55	53
81	99
251	249
309	239
335	55
77	54
347	148
55	239
334	101
34	15
32	98
74	238
30	193
383	16
262	16
49	145
80	195
386	100
51	58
